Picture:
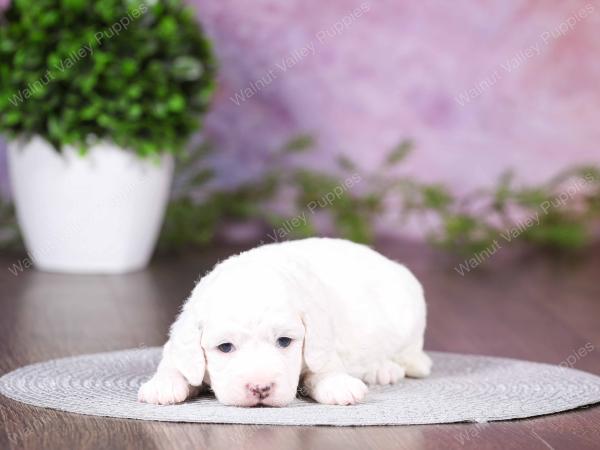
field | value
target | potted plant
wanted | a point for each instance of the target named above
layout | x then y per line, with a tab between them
96	98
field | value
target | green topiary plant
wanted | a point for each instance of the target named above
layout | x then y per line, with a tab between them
73	71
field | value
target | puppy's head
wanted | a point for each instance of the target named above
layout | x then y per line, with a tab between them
252	337
256	329
254	355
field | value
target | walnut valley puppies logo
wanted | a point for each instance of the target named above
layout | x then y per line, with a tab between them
570	361
524	54
299	54
75	56
76	225
301	220
470	433
523	225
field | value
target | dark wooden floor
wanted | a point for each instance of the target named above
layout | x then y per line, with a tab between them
522	306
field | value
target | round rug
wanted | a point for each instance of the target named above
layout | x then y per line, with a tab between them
461	388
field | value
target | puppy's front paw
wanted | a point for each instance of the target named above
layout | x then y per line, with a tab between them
165	389
338	389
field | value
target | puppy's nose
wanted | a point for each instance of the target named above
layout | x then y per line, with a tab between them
260	390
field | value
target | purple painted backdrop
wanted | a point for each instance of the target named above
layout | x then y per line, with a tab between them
479	87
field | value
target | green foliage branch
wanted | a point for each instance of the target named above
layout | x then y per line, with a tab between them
566	207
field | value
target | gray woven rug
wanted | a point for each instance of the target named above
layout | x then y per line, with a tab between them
461	388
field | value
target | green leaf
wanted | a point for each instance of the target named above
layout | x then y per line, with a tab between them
12	117
167	27
531	197
503	191
176	103
399	152
88	83
135	111
129	67
74	5
54	128
299	144
202	177
436	197
568	236
49	18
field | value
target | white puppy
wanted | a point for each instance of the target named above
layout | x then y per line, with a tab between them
327	313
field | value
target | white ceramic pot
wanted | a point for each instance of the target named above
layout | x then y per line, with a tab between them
96	213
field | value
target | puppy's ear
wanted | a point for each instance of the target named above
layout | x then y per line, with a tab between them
183	348
309	299
319	350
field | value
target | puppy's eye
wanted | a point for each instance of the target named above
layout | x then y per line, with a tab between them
226	347
283	342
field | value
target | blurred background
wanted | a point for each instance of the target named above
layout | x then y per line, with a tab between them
470	112
458	81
